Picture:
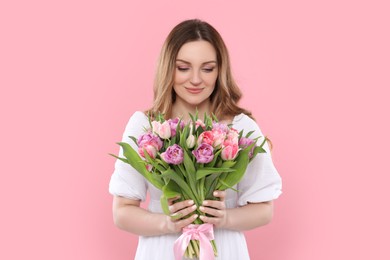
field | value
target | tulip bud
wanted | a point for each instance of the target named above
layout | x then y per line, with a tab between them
190	141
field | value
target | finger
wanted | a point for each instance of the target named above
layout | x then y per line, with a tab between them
185	222
220	194
180	205
210	220
184	212
214	204
176	216
211	211
172	200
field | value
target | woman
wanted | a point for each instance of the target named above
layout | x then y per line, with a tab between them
194	74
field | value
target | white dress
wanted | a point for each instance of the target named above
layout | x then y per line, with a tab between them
260	183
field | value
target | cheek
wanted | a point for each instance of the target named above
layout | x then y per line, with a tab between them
211	79
180	78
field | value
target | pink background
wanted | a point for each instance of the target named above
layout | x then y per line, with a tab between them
315	74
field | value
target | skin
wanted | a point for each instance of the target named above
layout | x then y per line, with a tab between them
194	81
196	69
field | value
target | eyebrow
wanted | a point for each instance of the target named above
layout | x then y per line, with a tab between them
211	61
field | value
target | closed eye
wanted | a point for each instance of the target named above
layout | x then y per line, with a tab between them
183	68
208	70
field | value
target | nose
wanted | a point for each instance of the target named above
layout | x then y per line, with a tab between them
195	78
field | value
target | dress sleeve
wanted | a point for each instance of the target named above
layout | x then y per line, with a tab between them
261	181
125	180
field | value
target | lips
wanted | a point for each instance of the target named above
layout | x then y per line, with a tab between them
194	90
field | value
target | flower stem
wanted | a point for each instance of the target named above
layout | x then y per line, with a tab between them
195	244
214	247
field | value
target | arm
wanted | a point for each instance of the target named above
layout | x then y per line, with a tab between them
129	216
242	218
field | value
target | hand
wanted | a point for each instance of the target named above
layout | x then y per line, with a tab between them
180	215
216	210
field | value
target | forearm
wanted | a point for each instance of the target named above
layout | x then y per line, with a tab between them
249	216
139	221
130	217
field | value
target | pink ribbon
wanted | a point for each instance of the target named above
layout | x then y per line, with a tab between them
204	233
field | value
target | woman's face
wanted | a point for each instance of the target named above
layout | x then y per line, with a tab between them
195	74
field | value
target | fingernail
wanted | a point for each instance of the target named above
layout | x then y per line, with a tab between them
201	208
201	217
195	216
205	203
190	202
193	207
215	193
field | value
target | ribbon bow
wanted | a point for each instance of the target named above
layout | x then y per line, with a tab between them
204	233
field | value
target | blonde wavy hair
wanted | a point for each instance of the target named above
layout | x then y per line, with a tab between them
226	94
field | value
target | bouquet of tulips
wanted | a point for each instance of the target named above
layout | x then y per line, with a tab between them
191	160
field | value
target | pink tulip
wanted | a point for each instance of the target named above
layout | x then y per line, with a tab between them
173	155
155	126
163	130
204	153
199	123
229	152
149	167
150	148
245	142
150	138
218	136
220	126
173	124
207	137
232	136
151	143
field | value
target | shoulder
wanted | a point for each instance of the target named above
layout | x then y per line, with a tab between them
138	121
244	122
138	117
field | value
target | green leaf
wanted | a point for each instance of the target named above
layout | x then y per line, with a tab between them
171	174
206	171
190	172
138	164
240	134
214	117
198	131
228	164
153	162
119	158
183	137
157	178
227	186
164	205
134	139
172	140
193	118
162	162
208	122
171	190
188	164
201	189
189	178
242	161
257	150
216	156
249	134
211	182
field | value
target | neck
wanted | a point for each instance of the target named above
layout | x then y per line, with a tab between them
183	111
